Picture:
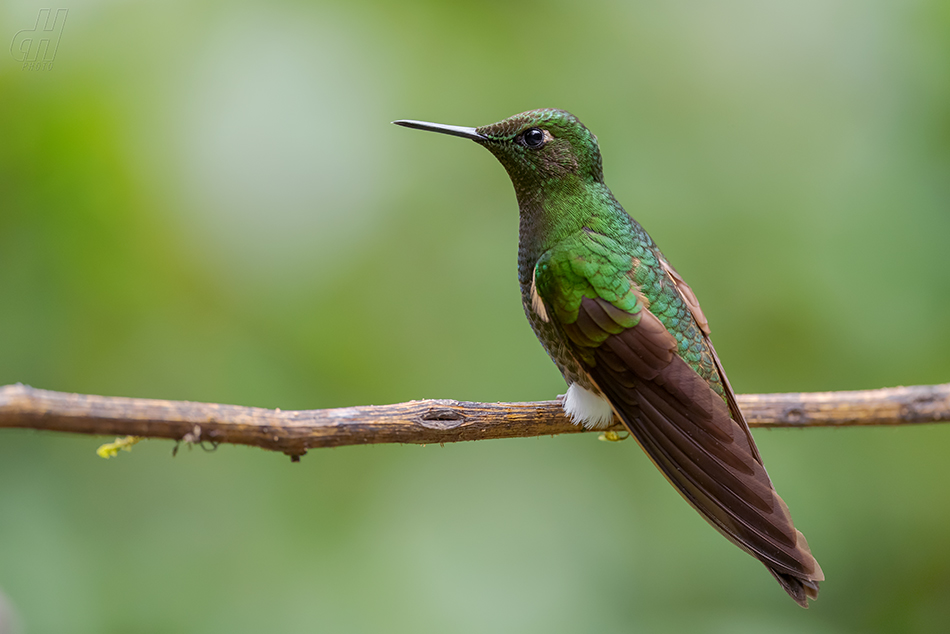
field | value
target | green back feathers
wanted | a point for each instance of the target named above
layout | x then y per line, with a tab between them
584	266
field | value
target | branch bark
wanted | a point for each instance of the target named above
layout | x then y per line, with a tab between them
421	422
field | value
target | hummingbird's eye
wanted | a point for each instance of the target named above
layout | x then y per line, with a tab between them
533	138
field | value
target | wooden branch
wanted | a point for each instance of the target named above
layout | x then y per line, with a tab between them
420	422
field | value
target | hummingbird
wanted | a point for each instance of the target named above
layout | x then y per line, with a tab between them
630	339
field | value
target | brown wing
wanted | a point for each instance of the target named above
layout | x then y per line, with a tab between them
688	432
692	303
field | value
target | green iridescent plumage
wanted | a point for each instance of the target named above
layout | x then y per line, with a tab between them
630	338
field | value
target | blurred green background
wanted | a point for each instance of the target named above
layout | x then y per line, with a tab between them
206	201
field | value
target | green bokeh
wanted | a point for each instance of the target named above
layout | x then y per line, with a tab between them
206	201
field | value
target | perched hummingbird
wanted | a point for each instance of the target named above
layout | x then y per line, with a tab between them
630	338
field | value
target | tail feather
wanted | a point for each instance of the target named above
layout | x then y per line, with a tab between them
799	589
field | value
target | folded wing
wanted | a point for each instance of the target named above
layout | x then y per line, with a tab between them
697	439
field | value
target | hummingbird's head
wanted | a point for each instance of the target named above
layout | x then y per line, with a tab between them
537	148
540	145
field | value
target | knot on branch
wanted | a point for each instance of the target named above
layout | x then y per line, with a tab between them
442	416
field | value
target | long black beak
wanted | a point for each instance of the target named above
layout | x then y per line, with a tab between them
454	130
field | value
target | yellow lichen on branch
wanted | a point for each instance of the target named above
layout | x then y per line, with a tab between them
111	449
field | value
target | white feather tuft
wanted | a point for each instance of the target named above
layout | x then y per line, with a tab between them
585	408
